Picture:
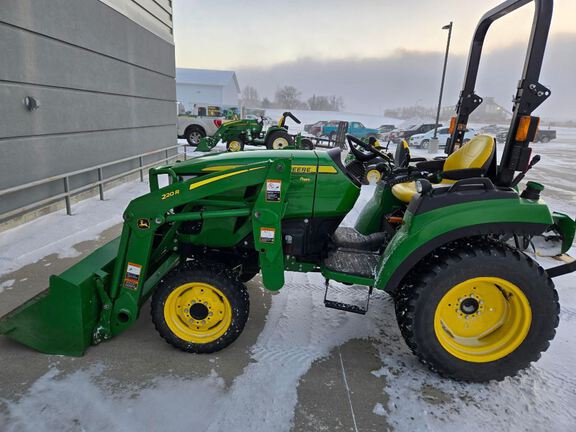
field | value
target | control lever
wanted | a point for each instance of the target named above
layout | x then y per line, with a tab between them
520	176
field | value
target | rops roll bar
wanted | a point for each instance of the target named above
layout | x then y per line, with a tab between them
530	93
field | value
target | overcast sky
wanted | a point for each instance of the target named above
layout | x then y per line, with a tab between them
374	53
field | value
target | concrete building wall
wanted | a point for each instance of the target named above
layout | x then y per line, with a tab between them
103	73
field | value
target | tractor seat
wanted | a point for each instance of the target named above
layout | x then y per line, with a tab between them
476	153
349	238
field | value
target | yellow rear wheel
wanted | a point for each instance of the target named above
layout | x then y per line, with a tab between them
482	319
200	310
477	310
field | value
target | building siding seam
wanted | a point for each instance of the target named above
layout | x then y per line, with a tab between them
80	90
169	27
86	49
61	134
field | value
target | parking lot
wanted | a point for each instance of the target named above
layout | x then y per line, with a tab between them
297	365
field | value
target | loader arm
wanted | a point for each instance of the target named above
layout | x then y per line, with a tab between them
101	296
154	215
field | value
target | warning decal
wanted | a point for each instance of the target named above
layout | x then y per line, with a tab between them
267	235
273	189
132	277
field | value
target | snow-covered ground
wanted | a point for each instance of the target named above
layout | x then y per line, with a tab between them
298	332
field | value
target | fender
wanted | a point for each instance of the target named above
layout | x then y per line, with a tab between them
422	233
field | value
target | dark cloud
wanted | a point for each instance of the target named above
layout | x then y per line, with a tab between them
409	77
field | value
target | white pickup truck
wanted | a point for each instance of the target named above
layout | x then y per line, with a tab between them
193	127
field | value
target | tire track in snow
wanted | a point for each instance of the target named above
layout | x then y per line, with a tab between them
303	331
298	331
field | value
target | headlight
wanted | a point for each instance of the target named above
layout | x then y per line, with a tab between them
423	186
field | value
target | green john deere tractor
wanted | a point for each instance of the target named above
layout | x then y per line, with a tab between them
441	240
238	133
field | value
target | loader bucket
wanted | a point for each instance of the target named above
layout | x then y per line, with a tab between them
61	319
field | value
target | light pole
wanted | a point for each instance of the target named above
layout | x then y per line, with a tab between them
449	28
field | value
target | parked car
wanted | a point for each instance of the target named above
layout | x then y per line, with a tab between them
391	136
384	131
193	128
443	135
385	128
315	128
542	135
413	130
545	135
491	129
354	128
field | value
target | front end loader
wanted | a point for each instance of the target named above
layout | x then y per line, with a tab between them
442	239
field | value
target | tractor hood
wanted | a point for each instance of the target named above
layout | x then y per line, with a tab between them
222	161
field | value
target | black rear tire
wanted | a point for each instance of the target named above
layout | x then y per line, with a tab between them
419	301
229	291
278	140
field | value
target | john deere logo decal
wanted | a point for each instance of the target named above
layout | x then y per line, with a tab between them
143	224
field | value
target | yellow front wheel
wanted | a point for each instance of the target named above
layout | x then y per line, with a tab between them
235	146
200	310
478	311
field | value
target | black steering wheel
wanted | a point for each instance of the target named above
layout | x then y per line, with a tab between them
364	156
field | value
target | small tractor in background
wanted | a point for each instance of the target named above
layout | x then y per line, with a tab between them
239	133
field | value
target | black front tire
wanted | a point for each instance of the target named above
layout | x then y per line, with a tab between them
216	276
418	300
307	144
424	144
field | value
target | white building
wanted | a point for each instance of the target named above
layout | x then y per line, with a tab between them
199	89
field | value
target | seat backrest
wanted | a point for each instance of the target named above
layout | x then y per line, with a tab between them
476	153
341	135
402	155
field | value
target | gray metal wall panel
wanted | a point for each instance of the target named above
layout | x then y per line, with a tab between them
70	111
32	58
94	26
105	84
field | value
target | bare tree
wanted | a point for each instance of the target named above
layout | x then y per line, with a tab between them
325	103
289	97
250	97
266	103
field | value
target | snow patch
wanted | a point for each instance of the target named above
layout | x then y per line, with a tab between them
6	285
379	409
82	402
57	233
